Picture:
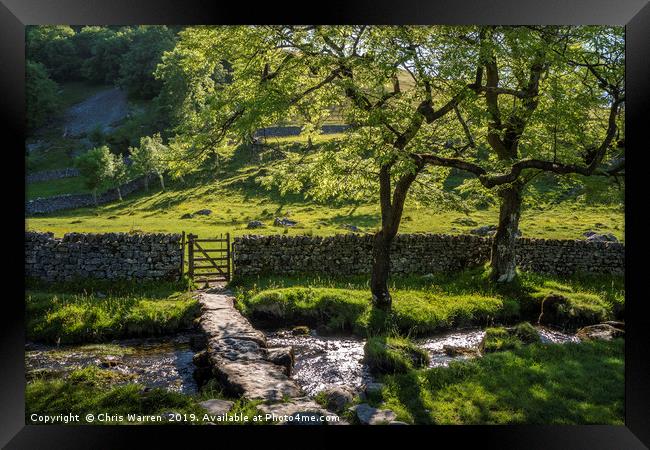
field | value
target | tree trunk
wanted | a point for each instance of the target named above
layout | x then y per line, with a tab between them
146	183
119	193
380	271
502	258
95	197
162	181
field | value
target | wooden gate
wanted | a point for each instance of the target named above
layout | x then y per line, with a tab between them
208	259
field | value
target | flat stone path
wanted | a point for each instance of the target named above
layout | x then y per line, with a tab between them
238	354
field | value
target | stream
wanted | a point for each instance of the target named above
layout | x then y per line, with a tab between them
324	361
320	361
153	362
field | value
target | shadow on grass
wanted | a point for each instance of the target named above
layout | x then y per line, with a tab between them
538	384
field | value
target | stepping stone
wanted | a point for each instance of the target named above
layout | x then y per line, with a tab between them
217	407
255	380
303	412
368	415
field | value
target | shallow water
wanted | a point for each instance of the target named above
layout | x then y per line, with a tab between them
324	361
161	362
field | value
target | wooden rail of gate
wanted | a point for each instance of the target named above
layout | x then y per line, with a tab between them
207	262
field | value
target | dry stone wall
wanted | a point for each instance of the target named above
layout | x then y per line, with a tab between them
72	201
416	254
102	256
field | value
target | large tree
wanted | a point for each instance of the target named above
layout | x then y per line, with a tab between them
383	80
414	97
550	101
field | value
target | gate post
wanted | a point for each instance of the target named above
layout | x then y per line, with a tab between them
182	255
229	273
190	254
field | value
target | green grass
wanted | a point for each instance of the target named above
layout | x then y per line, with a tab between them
421	304
56	187
536	384
92	391
393	355
85	313
233	208
74	92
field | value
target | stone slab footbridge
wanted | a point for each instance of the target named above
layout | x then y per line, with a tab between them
237	356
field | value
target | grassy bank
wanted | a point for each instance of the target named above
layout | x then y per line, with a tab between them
425	304
535	384
92	391
95	312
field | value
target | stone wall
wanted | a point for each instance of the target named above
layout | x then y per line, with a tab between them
72	201
416	254
102	256
282	131
47	175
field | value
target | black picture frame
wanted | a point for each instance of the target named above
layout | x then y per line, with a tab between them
634	14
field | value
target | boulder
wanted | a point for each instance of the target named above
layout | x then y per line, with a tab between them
607	237
485	230
372	388
217	407
352	228
284	222
367	415
203	212
109	361
601	331
254	224
300	330
298	411
337	397
187	216
552	309
282	356
454	351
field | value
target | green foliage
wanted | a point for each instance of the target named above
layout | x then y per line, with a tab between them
150	156
567	384
41	95
94	316
96	167
106	47
117	171
147	44
385	355
54	47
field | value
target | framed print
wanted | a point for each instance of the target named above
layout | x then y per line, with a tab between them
381	219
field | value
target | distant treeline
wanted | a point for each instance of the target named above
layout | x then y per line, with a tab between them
125	56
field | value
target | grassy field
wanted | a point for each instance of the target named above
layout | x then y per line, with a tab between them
56	187
95	312
234	203
560	384
427	304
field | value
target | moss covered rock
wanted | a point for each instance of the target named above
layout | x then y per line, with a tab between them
500	339
393	355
